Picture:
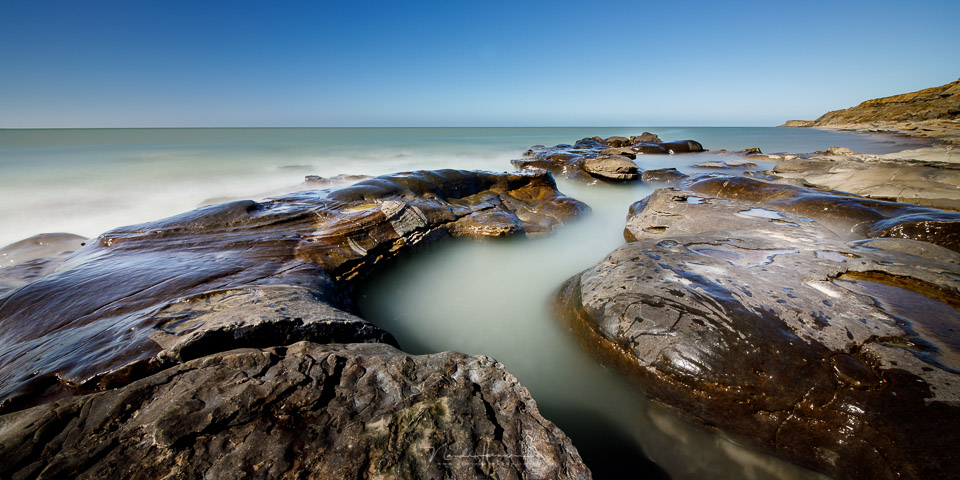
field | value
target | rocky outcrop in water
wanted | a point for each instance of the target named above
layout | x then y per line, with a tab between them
932	112
303	411
819	326
598	159
145	313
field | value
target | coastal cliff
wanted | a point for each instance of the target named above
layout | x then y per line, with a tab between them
931	112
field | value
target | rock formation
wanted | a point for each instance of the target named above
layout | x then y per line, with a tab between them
817	325
302	411
595	159
150	316
882	177
932	112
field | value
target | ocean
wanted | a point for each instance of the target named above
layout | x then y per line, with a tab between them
86	181
491	298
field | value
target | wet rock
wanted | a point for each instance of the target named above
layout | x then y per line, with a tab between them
682	146
726	164
666	176
242	274
594	159
848	216
645	137
612	167
39	246
912	181
304	411
748	313
334	181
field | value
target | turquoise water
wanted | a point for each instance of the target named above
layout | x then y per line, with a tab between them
479	298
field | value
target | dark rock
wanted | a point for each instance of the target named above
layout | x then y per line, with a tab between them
39	246
589	159
303	411
242	274
645	137
750	314
682	146
612	167
666	176
651	148
617	141
623	151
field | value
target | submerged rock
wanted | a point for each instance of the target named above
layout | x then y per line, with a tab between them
242	274
667	176
306	410
750	308
594	159
39	246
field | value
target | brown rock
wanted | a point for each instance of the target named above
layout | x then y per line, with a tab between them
750	314
139	297
611	167
303	411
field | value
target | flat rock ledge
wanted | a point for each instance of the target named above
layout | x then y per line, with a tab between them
303	411
602	159
121	357
815	325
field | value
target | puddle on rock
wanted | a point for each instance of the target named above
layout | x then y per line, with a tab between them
928	310
738	256
762	213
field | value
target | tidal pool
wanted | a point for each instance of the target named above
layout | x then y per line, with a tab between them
494	298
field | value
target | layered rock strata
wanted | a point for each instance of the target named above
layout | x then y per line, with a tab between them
882	177
598	159
932	112
819	326
143	314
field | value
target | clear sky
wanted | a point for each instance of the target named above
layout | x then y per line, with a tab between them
130	63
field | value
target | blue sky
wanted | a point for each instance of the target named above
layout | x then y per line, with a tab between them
165	63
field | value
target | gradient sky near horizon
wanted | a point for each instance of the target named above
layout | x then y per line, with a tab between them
170	63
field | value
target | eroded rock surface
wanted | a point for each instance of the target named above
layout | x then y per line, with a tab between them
242	274
881	177
303	411
765	311
594	159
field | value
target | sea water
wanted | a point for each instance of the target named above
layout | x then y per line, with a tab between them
491	298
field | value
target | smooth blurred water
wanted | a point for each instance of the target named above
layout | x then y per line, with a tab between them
87	181
480	298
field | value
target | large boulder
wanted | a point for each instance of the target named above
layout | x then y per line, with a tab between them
749	308
301	411
613	167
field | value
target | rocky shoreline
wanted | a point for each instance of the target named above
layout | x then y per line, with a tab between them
810	310
220	342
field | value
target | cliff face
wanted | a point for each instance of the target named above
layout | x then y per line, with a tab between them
938	103
932	112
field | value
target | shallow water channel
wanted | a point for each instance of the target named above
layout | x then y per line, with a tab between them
494	298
